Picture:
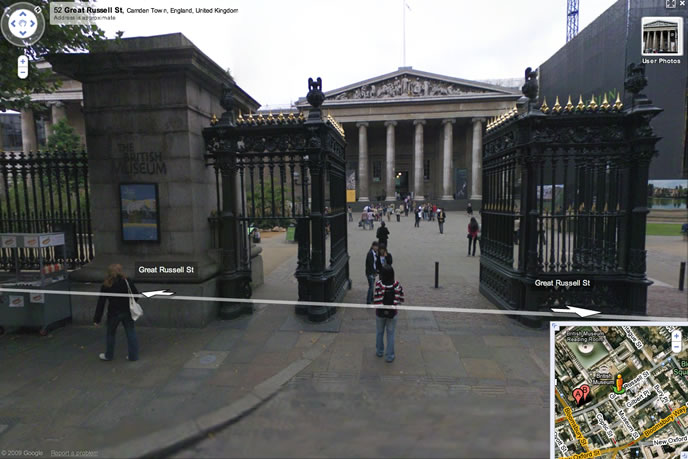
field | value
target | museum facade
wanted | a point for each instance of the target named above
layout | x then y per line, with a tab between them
414	133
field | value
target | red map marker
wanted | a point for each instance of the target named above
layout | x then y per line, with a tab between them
577	394
586	390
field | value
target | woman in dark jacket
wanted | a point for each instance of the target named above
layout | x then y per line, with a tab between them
382	233
473	230
118	311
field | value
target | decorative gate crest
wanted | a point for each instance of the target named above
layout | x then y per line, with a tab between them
565	198
285	170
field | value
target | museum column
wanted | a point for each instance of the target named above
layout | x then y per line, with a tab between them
389	176
58	111
477	160
363	162
418	162
447	166
28	131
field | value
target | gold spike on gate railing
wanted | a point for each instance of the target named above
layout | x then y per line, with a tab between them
605	104
592	105
569	105
618	105
544	108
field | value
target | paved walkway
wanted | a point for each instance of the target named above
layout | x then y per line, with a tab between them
462	385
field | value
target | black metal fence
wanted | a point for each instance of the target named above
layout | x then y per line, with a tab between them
565	199
46	192
281	171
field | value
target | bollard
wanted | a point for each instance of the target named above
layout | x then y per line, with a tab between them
437	274
682	275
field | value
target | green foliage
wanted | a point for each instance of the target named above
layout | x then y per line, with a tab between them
267	223
16	93
63	138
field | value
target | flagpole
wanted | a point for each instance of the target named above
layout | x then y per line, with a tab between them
403	8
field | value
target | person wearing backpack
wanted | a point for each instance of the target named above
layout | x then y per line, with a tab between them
388	292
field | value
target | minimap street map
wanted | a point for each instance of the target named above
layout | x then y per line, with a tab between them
620	390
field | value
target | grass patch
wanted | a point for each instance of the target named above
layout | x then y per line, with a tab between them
663	229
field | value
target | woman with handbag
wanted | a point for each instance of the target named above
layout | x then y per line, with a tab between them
120	309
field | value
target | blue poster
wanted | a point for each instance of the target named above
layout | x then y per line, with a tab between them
139	208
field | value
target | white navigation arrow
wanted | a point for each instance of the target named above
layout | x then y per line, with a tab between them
580	311
157	292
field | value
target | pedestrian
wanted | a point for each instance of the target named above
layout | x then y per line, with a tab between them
388	292
473	230
397	211
390	211
364	220
382	234
117	311
371	268
406	209
371	219
419	215
351	214
441	217
434	212
383	256
469	209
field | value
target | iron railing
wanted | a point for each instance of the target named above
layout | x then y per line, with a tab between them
46	192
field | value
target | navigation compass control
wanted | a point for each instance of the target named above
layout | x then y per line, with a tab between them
22	24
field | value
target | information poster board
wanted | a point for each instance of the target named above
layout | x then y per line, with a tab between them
140	212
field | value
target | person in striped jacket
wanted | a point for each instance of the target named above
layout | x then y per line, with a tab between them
388	292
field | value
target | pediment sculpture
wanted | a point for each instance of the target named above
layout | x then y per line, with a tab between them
407	86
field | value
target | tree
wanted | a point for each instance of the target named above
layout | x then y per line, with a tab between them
63	138
16	93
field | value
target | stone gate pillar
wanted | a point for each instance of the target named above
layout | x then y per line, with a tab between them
146	101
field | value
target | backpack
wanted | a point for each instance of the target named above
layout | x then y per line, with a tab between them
388	299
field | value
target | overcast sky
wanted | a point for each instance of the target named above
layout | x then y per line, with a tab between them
272	46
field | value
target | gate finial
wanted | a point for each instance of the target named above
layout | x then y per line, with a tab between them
530	88
315	95
636	82
227	102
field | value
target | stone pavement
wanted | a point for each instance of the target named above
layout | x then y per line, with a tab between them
462	384
55	394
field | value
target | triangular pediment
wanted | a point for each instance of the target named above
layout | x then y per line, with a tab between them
660	24
407	83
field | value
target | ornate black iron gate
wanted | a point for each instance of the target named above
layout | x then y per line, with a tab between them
565	199
283	170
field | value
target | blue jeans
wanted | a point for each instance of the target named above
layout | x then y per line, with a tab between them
132	342
371	289
390	324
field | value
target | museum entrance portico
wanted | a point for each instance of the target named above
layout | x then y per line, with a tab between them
414	132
